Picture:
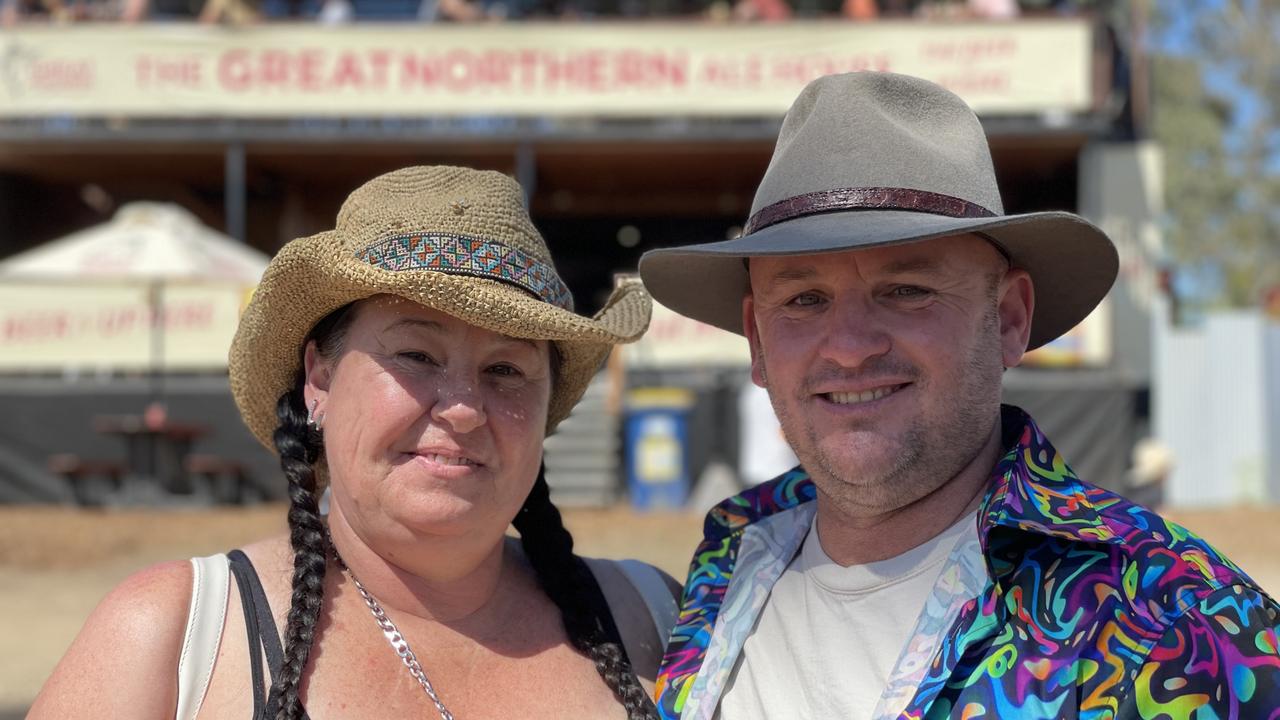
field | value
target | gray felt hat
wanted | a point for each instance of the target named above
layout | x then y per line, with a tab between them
867	159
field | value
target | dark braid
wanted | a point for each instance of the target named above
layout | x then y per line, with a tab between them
299	449
565	578
299	446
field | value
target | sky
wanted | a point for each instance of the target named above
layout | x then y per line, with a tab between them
1179	39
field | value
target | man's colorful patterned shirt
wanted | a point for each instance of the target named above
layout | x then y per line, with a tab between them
1093	607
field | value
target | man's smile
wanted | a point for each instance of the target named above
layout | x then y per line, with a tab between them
864	396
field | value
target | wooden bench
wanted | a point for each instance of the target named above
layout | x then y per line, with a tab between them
227	479
81	472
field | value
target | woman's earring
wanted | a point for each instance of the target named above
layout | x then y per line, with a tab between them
312	420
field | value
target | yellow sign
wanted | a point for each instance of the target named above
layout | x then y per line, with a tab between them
674	340
525	69
1085	345
116	326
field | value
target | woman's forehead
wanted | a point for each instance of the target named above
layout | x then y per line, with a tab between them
389	313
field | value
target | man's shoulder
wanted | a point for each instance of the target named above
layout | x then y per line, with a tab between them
1166	566
788	491
1150	537
1161	567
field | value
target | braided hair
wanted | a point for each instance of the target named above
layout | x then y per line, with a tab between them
563	576
299	445
567	580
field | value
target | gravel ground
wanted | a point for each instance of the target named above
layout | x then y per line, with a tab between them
56	563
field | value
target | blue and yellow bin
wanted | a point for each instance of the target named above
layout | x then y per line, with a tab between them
657	447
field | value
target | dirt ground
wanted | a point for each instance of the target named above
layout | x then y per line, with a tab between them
57	563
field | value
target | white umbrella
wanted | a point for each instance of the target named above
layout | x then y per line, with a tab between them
146	241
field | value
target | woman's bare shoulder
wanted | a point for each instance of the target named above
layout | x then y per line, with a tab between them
272	560
271	555
132	637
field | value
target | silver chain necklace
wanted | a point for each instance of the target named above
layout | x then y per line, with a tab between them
397	640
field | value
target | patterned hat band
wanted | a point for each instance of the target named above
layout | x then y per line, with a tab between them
867	198
462	255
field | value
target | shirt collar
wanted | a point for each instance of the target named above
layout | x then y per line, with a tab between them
1033	490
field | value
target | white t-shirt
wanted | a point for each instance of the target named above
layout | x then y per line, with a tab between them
829	637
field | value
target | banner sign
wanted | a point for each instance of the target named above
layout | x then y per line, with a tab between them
90	327
674	340
1085	345
525	69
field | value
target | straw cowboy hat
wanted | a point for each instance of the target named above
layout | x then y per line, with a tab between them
870	159
454	239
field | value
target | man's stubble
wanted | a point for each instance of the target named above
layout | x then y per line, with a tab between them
933	449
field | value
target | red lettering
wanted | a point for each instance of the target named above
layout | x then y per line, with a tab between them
347	72
62	75
117	321
593	72
677	70
992	81
193	315
274	68
802	69
419	70
233	70
487	69
160	71
631	67
733	72
308	71
528	63
971	50
495	69
459	73
380	60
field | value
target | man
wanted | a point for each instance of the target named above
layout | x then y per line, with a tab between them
934	556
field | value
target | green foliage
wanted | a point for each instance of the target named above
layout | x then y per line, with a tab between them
1217	102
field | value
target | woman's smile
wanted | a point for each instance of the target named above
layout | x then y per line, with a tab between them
445	465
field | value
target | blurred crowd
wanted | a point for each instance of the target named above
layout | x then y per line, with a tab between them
237	12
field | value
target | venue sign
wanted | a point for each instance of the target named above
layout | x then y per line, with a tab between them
525	69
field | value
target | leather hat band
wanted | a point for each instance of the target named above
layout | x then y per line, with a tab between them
873	198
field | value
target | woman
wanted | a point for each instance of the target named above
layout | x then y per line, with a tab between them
412	360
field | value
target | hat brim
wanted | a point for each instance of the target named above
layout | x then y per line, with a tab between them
311	277
1071	262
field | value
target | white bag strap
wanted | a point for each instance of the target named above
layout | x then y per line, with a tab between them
656	594
210	586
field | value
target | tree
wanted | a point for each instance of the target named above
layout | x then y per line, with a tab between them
1216	78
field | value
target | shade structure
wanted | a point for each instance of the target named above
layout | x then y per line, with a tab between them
107	296
144	241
